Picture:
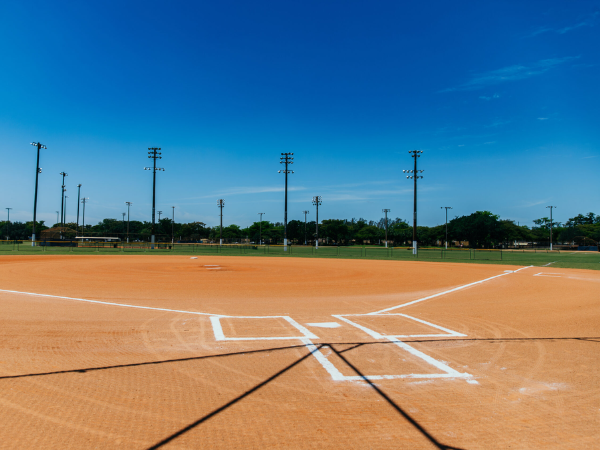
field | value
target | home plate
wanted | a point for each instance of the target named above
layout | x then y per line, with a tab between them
324	324
193	257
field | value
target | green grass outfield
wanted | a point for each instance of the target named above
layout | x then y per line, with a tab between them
560	259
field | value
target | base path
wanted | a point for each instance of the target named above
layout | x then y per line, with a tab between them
234	352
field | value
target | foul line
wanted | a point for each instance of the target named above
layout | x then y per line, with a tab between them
444	292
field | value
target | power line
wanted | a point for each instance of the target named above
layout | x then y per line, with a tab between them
128	206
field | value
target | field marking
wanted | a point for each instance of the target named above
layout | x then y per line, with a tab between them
324	325
215	320
445	292
549	274
546	265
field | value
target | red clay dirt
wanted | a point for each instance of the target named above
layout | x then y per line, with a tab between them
76	374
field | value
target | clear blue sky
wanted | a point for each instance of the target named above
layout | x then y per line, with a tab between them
502	97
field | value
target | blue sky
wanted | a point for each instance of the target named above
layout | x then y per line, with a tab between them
502	97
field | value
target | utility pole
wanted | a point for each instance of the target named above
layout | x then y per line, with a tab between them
260	230
8	222
57	219
317	200
123	222
37	172
286	158
551	208
78	201
415	154
128	206
173	227
84	201
65	216
62	198
305	213
159	213
154	153
447	208
386	225
221	204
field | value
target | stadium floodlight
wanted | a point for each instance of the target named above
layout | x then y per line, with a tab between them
38	170
84	200
286	158
154	153
62	199
221	204
78	201
385	211
551	208
415	154
8	222
317	200
305	213
447	208
260	229
128	206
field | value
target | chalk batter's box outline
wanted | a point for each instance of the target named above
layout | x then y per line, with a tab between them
220	335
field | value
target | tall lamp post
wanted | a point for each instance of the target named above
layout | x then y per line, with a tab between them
154	153
221	204
317	200
8	222
173	226
551	208
57	217
78	201
286	158
84	200
305	213
128	206
65	216
447	208
62	198
260	229
37	172
385	211
123	222
415	154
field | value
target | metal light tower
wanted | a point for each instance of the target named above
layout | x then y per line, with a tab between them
65	216
62	198
173	226
221	204
37	172
128	206
447	208
551	208
305	213
123	221
415	154
57	219
84	200
317	200
286	158
154	153
8	221
78	201
260	229
159	213
386	225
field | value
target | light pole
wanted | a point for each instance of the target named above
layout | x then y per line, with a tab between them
221	204
78	201
128	206
123	222
286	158
551	208
62	198
37	172
154	153
386	225
84	201
447	208
260	230
317	200
8	222
65	216
57	219
173	226
415	154
305	213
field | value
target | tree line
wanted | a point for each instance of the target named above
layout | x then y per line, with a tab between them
482	229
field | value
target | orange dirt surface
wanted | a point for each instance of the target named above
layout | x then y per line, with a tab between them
235	352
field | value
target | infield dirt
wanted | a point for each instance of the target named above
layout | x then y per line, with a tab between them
75	374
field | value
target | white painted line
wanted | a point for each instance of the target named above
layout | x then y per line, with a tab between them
546	265
123	305
372	333
220	335
217	329
324	325
211	265
213	268
193	257
330	368
434	362
444	292
549	274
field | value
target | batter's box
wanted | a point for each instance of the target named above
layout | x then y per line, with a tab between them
396	326
263	328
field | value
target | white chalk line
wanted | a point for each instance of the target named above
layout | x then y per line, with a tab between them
445	292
